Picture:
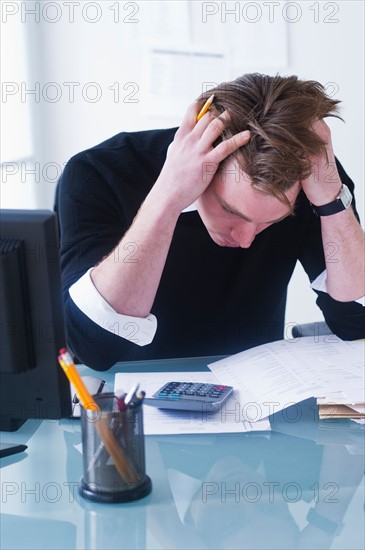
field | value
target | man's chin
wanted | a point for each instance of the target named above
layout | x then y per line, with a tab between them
221	241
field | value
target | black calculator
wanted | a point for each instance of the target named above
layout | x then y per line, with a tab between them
190	396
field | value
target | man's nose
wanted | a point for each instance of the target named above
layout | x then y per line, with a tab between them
244	233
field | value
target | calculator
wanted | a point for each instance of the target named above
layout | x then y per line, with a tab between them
190	396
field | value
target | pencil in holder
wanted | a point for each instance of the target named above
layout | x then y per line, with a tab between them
113	451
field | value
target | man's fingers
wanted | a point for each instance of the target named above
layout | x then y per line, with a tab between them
210	127
189	119
227	147
209	118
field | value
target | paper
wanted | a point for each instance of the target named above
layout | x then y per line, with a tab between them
168	91
273	376
166	22
341	398
229	419
254	42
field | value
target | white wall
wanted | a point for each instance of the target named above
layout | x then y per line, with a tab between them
102	67
332	53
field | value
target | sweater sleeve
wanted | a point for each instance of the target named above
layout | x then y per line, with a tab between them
86	297
345	319
92	221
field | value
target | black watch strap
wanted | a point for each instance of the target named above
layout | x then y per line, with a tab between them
341	202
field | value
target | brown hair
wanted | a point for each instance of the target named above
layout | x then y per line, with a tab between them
279	112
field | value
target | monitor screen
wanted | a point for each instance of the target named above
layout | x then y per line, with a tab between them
32	384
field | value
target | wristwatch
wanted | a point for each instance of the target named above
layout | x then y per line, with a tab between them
330	527
341	202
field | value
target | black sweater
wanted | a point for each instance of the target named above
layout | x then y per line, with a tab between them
211	300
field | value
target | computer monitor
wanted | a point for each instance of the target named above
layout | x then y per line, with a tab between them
32	384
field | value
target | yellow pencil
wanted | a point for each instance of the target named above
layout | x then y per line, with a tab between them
205	107
82	392
105	433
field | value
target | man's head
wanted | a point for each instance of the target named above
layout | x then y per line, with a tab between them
234	212
258	184
279	112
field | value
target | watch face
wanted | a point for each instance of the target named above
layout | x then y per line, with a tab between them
345	196
342	202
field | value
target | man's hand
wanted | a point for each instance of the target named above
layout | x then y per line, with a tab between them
324	183
342	236
130	287
192	160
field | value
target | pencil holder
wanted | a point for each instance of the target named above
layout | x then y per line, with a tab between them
113	451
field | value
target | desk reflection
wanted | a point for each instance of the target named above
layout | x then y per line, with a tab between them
246	491
255	491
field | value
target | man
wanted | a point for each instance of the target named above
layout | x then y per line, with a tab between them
188	249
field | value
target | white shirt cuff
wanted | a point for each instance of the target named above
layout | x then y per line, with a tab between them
139	330
320	284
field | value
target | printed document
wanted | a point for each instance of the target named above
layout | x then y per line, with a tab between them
274	376
229	419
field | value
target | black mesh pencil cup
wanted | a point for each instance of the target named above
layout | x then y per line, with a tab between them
113	451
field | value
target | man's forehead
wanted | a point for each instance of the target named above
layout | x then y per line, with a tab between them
269	213
236	193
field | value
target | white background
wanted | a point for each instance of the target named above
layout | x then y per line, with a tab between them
98	68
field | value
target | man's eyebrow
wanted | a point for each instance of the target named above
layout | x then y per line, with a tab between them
243	217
